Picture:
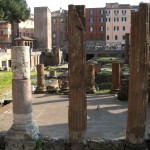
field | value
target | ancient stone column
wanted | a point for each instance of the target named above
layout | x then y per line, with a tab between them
77	75
23	131
115	76
40	80
53	73
127	47
138	81
90	78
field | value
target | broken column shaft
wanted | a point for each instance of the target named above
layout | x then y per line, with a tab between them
23	131
40	79
127	47
115	76
90	78
77	75
138	81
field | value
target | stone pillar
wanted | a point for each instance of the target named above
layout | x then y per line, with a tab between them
90	78
127	47
77	75
115	76
97	68
23	131
138	81
53	73
40	80
123	89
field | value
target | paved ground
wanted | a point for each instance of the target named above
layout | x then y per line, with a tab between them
50	113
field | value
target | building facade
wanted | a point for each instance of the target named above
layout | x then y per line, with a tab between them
27	28
118	22
95	26
59	28
5	34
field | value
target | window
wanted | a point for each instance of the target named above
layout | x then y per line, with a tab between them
116	28
61	28
101	19
101	12
116	19
54	42
2	32
54	28
123	37
91	29
116	12
116	37
61	20
101	28
54	35
123	28
91	20
3	63
124	19
132	11
108	28
107	12
123	12
107	37
91	12
54	20
108	20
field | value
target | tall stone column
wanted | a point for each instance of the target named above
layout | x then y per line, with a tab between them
115	76
40	80
23	131
77	75
138	81
127	47
90	78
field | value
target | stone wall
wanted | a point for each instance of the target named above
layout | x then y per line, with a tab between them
88	144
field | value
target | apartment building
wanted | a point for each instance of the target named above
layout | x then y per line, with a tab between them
59	28
95	26
27	28
5	34
118	22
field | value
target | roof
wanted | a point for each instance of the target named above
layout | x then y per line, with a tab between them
24	38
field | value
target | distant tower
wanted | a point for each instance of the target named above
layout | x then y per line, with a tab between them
42	28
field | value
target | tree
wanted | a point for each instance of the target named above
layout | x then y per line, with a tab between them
14	11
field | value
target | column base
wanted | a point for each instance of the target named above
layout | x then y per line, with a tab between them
91	90
22	137
40	90
129	146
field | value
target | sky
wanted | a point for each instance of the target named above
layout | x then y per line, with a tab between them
56	4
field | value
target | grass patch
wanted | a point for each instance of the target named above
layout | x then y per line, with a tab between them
103	91
105	72
5	81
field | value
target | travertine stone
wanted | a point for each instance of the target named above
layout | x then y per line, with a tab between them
20	62
21	94
23	132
